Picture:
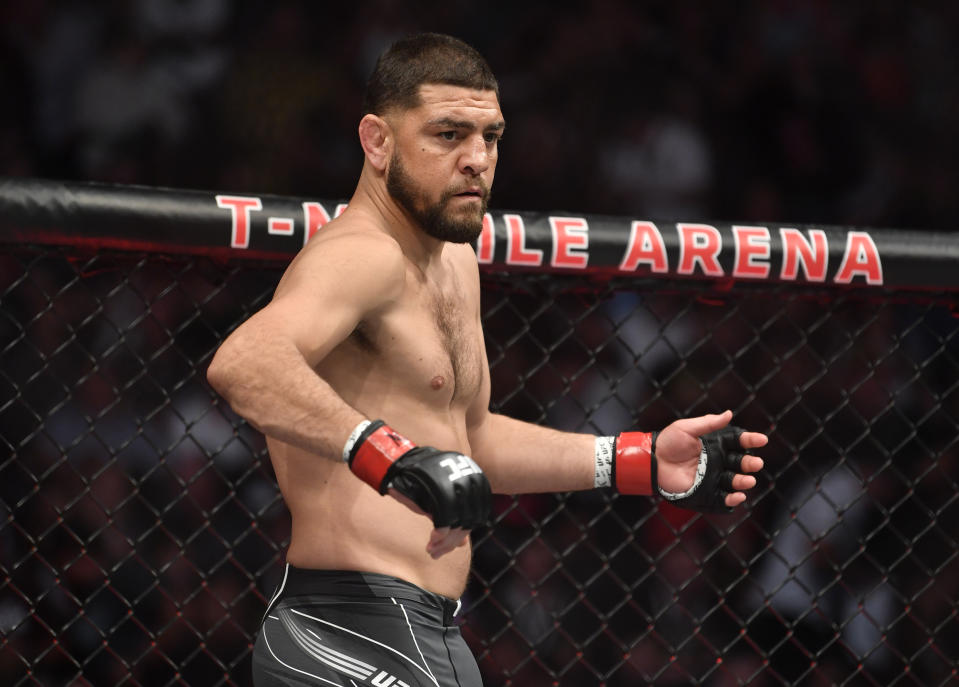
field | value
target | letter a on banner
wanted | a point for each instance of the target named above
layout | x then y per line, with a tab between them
861	259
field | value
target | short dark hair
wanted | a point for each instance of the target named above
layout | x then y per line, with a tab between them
425	58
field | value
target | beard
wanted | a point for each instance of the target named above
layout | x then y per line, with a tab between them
437	219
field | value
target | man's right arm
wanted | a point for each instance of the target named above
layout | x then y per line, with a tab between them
265	368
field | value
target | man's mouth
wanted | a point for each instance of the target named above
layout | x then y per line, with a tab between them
470	193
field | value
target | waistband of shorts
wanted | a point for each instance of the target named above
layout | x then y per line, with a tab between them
356	584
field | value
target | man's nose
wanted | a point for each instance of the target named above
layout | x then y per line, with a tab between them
475	158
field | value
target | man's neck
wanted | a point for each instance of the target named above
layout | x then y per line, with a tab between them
372	198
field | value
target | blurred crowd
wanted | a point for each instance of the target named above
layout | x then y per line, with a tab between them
783	110
141	530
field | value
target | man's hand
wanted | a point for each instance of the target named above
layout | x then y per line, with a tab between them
447	486
679	448
442	539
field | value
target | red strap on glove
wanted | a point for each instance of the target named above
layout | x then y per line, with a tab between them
449	486
634	468
376	449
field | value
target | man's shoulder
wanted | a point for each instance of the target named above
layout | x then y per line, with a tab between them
349	257
352	240
354	229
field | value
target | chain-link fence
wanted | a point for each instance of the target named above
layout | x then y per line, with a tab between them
141	528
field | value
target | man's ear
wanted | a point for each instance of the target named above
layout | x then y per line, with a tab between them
376	138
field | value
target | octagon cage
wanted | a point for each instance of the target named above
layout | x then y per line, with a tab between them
142	530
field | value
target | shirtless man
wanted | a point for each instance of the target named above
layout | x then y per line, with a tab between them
377	320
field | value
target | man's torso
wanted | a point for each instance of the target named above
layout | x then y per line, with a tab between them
418	366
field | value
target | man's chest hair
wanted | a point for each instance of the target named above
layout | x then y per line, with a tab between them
434	329
434	334
457	334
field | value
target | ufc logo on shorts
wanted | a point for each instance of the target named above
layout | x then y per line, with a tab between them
384	679
459	467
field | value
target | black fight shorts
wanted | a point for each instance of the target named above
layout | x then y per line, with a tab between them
330	627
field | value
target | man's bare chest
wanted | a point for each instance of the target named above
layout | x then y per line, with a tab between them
431	343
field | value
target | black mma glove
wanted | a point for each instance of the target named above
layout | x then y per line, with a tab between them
449	486
628	463
721	459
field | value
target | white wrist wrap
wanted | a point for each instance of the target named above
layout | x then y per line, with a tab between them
354	435
605	452
700	473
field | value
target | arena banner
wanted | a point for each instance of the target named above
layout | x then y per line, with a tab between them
34	211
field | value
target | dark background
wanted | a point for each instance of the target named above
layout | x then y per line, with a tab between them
839	113
142	531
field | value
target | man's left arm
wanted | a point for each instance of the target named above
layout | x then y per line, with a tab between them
520	457
701	462
523	458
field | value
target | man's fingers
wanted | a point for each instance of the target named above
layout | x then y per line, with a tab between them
442	539
753	439
734	499
438	535
445	539
742	483
704	424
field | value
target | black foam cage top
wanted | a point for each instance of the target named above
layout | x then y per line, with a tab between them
142	531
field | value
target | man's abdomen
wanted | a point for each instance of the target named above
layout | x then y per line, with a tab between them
340	523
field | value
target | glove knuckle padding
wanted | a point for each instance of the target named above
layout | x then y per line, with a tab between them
724	456
726	481
453	496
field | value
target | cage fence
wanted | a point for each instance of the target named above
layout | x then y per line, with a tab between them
142	530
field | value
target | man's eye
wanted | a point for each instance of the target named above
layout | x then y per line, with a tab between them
448	135
492	138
